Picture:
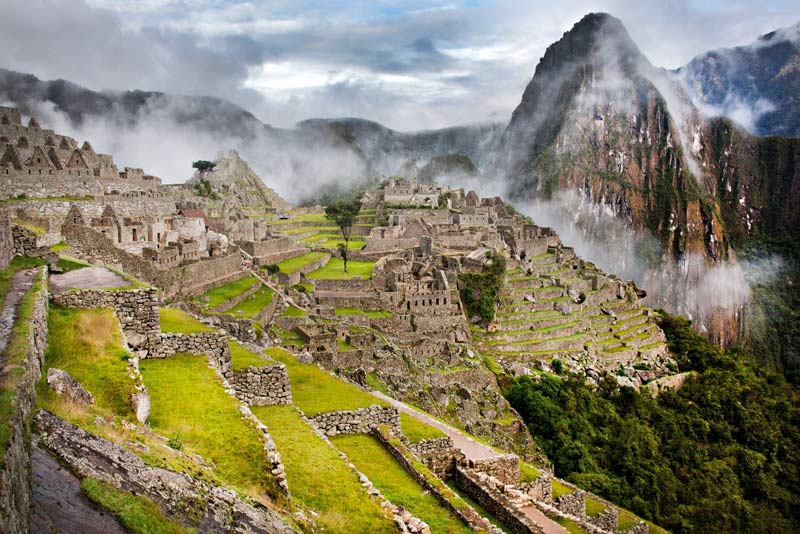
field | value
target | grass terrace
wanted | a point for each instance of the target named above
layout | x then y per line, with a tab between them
215	297
372	459
177	321
334	270
190	406
319	478
294	311
254	304
416	431
315	391
88	345
242	357
38	230
294	264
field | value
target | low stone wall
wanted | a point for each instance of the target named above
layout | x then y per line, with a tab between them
431	446
504	468
495	502
466	513
607	519
136	309
15	477
212	344
356	284
443	463
572	503
262	386
361	421
295	277
541	489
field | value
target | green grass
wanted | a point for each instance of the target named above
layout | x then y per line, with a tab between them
242	357
372	459
24	198
319	478
416	431
68	264
560	489
344	346
58	247
571	526
177	321
304	286
315	391
625	520
294	311
304	217
528	473
228	291
88	345
190	405
368	313
333	243
38	230
138	514
594	507
254	304
334	270
293	264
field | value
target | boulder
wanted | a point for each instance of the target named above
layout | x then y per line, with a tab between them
64	384
140	402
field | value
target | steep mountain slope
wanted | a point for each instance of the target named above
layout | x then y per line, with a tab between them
602	132
757	85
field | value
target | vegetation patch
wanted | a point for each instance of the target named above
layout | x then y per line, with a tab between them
242	357
480	291
334	270
254	304
294	311
315	391
217	296
293	264
319	478
372	459
190	405
416	431
138	514
368	313
177	321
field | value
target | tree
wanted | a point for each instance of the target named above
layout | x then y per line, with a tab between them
203	165
344	214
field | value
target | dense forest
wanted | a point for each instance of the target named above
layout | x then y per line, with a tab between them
721	454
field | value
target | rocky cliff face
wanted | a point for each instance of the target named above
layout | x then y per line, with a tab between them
757	85
603	134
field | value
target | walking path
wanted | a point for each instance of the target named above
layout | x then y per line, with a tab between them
474	451
22	282
87	278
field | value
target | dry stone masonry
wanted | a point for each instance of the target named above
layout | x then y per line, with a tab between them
361	421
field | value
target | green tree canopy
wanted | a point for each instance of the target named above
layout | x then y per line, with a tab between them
344	214
203	165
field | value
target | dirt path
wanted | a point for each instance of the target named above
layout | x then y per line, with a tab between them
475	451
471	448
22	282
87	278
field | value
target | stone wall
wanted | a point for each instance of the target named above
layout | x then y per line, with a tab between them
212	344
573	503
607	519
466	513
24	241
6	238
184	281
136	309
361	421
541	489
431	446
504	467
356	284
495	502
262	386
295	277
15	477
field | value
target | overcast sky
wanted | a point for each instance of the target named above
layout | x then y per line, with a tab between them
409	65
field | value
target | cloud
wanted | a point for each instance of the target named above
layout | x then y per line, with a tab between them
409	65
